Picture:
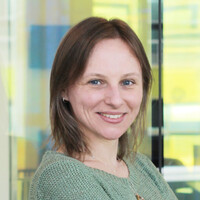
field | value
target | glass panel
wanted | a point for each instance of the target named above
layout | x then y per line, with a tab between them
181	86
29	38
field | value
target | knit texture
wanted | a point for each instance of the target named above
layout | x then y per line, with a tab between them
63	178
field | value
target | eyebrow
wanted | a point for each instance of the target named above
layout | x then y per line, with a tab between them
95	74
131	74
103	76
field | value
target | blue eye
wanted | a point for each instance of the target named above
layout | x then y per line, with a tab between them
127	82
95	82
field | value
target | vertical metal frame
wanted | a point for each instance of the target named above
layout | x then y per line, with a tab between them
160	54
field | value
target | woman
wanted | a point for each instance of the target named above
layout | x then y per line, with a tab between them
99	86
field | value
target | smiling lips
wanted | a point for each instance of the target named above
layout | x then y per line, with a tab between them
112	117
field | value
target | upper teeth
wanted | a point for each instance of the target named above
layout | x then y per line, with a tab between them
112	116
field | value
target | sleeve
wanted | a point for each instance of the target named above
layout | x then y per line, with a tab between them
156	178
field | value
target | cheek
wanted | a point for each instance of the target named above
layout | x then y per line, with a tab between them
135	99
85	101
139	98
93	97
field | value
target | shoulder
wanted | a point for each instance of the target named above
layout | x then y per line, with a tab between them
141	160
56	177
149	177
144	167
55	164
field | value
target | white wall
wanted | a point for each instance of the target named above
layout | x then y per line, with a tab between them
4	145
4	117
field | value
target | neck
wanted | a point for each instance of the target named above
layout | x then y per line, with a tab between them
104	157
105	151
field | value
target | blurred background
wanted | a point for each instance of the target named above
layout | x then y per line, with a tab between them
30	32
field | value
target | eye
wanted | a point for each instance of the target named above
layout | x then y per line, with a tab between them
95	82
127	82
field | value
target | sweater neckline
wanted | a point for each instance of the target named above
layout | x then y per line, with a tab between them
95	169
112	175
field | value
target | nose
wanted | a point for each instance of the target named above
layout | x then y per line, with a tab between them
113	96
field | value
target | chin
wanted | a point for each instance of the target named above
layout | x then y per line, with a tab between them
113	135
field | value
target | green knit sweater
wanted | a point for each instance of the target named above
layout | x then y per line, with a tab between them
63	178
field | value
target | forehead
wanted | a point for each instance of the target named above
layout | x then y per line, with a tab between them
112	54
111	44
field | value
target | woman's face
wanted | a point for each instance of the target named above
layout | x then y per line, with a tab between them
107	98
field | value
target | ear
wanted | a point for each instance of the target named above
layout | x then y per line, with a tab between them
65	95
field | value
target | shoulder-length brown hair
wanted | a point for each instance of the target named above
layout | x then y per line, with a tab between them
70	63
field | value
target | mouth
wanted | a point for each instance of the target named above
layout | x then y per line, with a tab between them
112	117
